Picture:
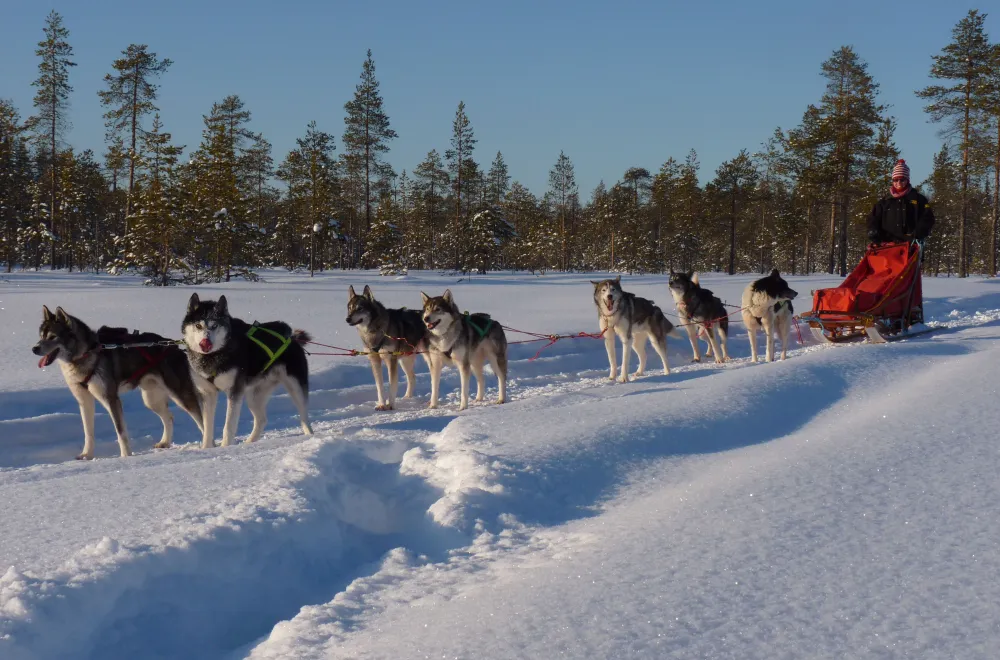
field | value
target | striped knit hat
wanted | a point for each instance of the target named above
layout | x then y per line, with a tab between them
901	170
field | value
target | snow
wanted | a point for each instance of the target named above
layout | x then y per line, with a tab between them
837	504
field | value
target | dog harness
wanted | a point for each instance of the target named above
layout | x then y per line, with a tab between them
482	331
272	354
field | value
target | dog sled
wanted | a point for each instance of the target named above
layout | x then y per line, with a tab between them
881	300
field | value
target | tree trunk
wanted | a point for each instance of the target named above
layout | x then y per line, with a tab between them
833	234
844	206
962	257
52	191
131	156
732	237
996	204
809	222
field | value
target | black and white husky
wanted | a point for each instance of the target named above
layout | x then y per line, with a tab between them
225	358
634	320
700	312
386	333
95	373
467	341
767	306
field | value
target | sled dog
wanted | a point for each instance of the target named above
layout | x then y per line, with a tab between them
386	333
767	306
103	374
700	312
466	341
229	355
633	319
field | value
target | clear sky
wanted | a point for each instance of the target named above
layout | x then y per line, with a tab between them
613	84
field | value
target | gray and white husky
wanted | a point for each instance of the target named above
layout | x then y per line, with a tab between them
467	341
224	358
634	320
101	374
767	306
386	333
700	312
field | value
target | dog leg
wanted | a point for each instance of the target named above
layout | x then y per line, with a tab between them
234	404
114	406
87	405
716	352
257	403
477	363
436	364
210	399
660	346
639	346
499	365
783	329
692	332
751	326
376	361
300	397
464	373
723	342
411	374
627	343
768	324
609	343
156	400
393	380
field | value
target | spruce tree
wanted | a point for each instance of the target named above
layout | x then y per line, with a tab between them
431	182
460	164
497	181
735	179
51	103
965	66
366	136
128	98
563	196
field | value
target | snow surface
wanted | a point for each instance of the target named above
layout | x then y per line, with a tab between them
838	504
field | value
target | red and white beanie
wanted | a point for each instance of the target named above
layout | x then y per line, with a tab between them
901	170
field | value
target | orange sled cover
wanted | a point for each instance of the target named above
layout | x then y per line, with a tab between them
879	285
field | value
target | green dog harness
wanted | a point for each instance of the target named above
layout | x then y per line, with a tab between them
272	354
482	331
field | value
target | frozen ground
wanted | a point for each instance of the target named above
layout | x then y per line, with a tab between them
839	504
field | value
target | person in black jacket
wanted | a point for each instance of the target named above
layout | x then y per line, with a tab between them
904	215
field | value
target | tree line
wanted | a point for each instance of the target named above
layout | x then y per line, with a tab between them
226	208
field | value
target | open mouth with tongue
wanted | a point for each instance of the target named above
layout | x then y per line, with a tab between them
432	324
205	345
48	359
610	304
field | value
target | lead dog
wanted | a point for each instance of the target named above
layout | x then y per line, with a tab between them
633	319
94	374
767	306
386	333
224	358
467	341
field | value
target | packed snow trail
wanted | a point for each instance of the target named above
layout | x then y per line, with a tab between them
578	502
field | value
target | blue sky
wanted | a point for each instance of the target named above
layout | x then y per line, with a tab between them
614	85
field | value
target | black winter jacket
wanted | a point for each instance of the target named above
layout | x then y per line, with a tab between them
901	219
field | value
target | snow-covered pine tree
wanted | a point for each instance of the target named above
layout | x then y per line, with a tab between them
384	247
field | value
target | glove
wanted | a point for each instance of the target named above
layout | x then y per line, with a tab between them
874	235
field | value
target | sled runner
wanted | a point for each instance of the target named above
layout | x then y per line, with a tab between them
880	300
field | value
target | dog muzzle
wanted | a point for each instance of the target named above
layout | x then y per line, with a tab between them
205	345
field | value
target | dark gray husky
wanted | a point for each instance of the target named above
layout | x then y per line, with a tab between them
389	335
467	341
230	355
700	312
94	373
633	319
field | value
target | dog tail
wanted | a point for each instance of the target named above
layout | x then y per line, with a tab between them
301	337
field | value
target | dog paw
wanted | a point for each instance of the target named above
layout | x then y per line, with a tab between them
696	360
623	379
500	402
383	406
85	457
161	445
432	406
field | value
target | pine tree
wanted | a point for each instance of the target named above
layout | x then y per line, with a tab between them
944	184
384	247
431	183
128	98
991	106
51	102
15	177
563	195
460	165
735	179
497	181
965	62
804	163
366	136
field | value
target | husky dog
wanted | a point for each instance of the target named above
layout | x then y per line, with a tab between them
93	373
386	333
466	341
633	319
767	305
224	358
700	311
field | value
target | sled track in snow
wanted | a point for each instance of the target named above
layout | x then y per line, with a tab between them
212	583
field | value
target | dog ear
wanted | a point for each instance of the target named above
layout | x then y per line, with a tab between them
222	306
694	278
775	273
351	295
46	314
448	298
424	297
596	284
65	318
618	280
193	302
368	293
672	270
